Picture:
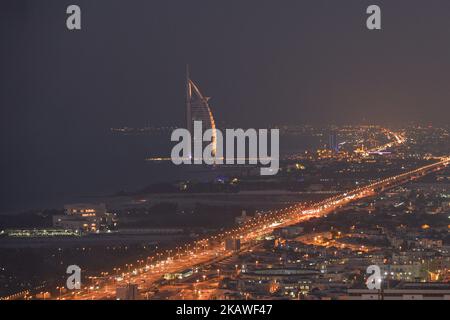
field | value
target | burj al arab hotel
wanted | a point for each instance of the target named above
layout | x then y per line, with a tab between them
198	109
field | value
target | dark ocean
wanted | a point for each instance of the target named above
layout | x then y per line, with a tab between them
99	165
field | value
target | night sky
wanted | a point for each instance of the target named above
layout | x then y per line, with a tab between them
262	62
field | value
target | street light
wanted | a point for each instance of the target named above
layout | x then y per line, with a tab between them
60	291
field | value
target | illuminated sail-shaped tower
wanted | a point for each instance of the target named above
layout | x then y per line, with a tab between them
198	109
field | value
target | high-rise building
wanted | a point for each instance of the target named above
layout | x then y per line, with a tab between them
198	109
333	143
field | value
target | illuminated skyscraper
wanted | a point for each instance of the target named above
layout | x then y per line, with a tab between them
333	143
198	109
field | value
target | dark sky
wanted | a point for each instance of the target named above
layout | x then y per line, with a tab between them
263	62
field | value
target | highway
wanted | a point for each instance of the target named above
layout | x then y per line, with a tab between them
211	249
397	139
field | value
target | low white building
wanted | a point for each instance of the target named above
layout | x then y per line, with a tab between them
85	217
